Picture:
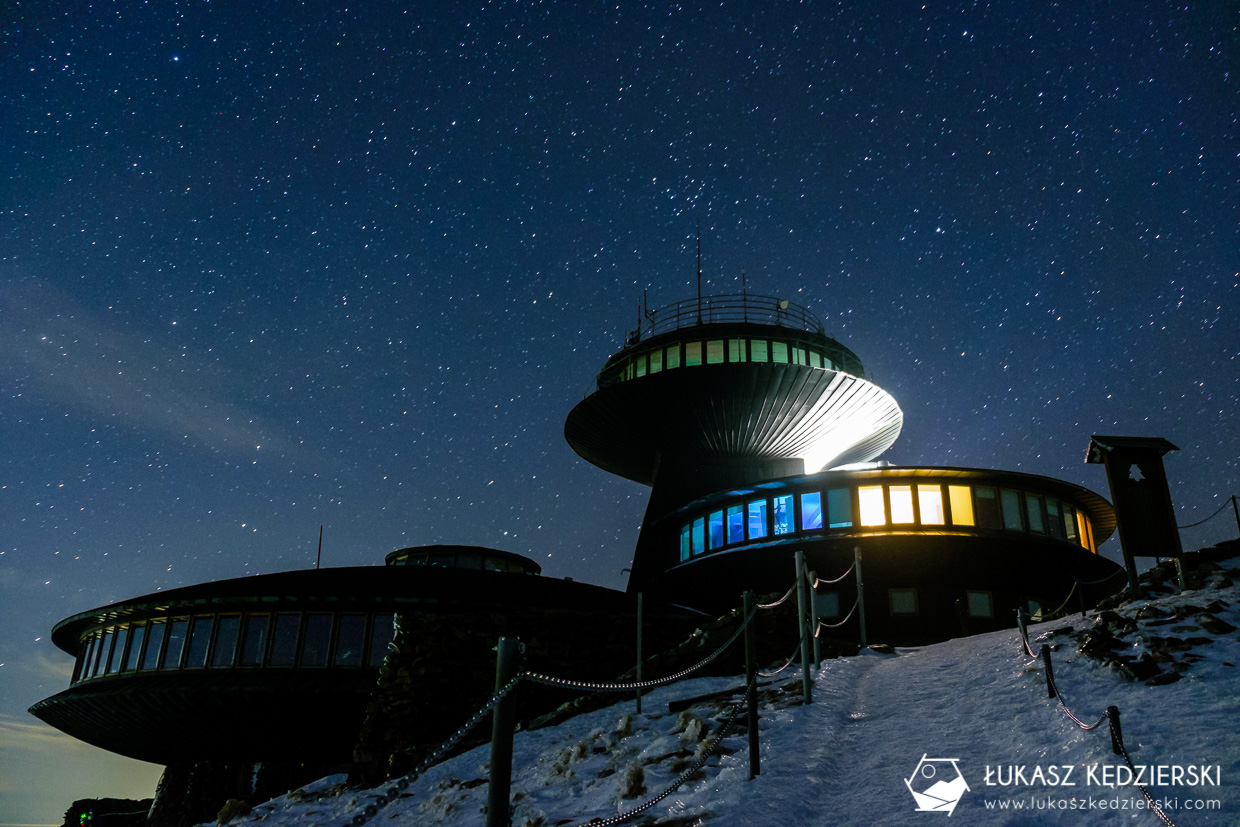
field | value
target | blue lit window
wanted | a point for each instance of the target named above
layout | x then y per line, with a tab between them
716	529
699	535
782	514
686	547
736	524
757	350
137	635
757	519
811	511
779	352
839	508
118	650
815	361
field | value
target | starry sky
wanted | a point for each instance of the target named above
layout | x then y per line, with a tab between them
266	267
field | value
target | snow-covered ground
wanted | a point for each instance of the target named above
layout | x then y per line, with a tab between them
845	758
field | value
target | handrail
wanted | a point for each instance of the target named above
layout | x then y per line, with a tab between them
722	309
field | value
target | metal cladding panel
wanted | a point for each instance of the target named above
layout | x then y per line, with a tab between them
733	410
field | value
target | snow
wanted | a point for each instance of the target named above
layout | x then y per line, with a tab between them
846	758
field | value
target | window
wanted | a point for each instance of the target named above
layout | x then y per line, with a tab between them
903	601
986	508
284	640
693	353
979	604
736	350
714	352
736	524
901	504
469	561
175	644
199	640
443	559
118	651
1011	510
1069	521
839	508
815	361
873	510
1054	519
798	356
225	640
827	604
673	356
82	668
640	363
316	639
930	504
757	519
961	500
137	634
1033	509
699	535
811	511
656	361
757	350
350	639
154	641
254	641
686	547
781	514
779	352
382	632
101	653
1034	607
715	523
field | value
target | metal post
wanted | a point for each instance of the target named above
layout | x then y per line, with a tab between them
813	617
860	593
1179	571
751	684
1020	624
1117	734
639	652
807	692
503	722
1050	672
1236	509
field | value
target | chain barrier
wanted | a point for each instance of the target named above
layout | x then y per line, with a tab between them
819	581
824	625
1117	738
787	663
780	601
1111	576
1054	613
401	784
707	753
1226	503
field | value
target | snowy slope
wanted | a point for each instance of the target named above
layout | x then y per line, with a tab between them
845	758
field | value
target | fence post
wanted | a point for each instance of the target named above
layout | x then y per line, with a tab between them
502	724
860	593
1236	508
1020	624
639	652
807	692
751	684
813	617
1117	734
1050	672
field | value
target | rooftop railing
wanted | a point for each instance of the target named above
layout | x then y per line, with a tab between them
725	309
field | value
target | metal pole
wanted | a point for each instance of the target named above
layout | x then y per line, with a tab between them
1020	624
860	593
751	690
813	617
807	691
1050	671
502	723
1117	734
639	652
319	558
1236	509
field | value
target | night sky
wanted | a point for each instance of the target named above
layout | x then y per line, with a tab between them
266	267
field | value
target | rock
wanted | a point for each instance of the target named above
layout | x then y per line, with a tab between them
882	648
1163	679
1215	625
1144	668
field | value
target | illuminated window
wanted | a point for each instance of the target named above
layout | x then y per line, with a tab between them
930	504
979	604
105	650
903	601
757	350
226	632
350	640
175	644
686	544
781	514
673	356
1033	509
1011	510
1034	607
640	363
254	641
779	352
714	352
316	639
284	640
839	508
798	356
1054	519
815	361
199	641
811	511
901	504
382	632
715	524
1069	521
736	350
699	535
656	361
693	353
118	651
961	499
870	501
137	635
827	604
1085	531
757	519
736	524
986	508
154	641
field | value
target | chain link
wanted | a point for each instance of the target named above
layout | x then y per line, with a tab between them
1158	811
819	581
780	601
787	663
822	625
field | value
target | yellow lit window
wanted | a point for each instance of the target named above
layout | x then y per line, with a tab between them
870	501
930	503
962	504
901	504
